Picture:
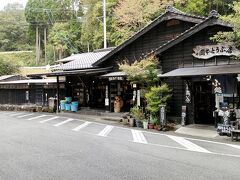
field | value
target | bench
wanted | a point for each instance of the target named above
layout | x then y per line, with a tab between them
235	132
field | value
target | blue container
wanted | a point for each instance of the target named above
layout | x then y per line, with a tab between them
68	107
68	99
74	106
62	104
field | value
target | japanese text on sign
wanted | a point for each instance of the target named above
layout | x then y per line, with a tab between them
209	51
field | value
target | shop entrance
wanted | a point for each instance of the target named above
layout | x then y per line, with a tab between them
204	103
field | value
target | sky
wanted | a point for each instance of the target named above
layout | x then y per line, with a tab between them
5	2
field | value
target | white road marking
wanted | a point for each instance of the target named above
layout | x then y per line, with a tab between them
50	119
214	142
234	146
16	114
106	131
36	117
25	115
138	137
82	126
64	122
189	145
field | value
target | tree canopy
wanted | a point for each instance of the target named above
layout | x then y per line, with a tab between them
75	26
232	37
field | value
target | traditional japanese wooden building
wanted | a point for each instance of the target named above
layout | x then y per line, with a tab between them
200	73
19	90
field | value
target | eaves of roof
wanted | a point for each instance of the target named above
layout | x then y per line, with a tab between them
170	13
89	71
210	21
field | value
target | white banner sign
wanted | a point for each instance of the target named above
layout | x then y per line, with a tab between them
209	51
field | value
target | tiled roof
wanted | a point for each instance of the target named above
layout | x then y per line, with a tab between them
115	74
6	77
32	81
83	61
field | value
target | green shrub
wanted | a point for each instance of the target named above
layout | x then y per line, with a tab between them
158	95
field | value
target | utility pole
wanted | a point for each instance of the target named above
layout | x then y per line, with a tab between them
45	44
37	45
104	24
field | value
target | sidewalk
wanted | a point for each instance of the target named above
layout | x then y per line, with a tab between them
191	131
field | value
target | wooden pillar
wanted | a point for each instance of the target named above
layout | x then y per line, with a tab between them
58	94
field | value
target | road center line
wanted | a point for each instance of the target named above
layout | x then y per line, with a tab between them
64	122
189	145
50	119
36	117
82	126
25	115
138	137
106	131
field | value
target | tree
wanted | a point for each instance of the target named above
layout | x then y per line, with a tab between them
203	7
92	28
232	37
132	15
142	72
51	15
13	29
7	67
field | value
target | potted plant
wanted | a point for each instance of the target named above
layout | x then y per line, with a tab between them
152	121
157	95
145	124
157	125
138	115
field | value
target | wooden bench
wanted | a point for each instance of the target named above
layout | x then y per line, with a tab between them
235	132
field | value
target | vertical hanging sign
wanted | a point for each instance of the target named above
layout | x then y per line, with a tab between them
106	96
187	95
138	97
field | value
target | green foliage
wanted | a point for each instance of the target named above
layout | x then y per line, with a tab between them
92	28
137	112
60	17
132	15
142	72
158	95
234	36
203	7
193	6
20	58
7	67
13	29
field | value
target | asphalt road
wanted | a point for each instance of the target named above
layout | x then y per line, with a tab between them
44	146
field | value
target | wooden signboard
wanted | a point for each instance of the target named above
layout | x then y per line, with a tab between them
209	51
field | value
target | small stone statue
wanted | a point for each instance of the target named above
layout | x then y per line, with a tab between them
118	104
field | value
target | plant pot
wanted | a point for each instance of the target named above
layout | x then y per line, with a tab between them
157	127
131	122
150	126
145	125
138	123
125	121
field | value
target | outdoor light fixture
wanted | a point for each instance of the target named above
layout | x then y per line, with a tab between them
208	78
238	77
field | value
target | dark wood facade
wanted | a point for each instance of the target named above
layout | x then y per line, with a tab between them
18	94
149	42
173	41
